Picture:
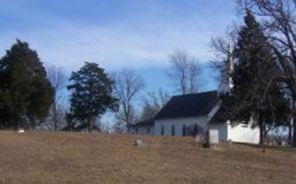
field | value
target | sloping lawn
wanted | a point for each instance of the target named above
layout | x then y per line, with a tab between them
44	157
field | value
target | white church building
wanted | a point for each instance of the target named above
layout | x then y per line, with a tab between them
195	114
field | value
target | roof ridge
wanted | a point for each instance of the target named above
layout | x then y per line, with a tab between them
198	93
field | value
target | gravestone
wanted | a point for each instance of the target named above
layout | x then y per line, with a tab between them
21	131
138	143
213	137
201	139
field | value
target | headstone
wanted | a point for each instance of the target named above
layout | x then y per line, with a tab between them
213	136
200	139
21	131
138	143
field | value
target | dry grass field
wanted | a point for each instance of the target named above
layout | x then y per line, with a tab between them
40	157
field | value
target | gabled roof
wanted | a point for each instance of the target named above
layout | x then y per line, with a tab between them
190	105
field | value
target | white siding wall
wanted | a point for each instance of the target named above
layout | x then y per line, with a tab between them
243	133
240	133
178	123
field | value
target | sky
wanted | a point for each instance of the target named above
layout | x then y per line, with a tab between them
135	34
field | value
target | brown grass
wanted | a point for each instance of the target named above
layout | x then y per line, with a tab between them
40	157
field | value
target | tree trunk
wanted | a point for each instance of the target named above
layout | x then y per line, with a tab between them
90	124
261	137
294	134
290	128
293	126
14	124
55	123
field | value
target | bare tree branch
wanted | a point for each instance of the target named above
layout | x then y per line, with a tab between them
153	103
127	87
58	80
185	72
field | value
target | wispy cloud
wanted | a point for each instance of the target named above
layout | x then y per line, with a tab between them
132	41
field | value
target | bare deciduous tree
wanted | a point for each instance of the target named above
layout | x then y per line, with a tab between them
279	20
153	103
58	80
185	72
127	86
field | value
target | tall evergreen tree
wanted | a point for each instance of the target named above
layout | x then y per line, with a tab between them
91	95
25	91
257	93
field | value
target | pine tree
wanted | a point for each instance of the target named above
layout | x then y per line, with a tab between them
91	95
257	93
25	91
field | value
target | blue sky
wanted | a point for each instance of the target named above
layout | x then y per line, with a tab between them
136	34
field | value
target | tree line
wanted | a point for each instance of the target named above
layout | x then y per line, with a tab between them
32	95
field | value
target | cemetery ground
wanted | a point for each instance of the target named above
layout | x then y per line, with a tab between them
48	157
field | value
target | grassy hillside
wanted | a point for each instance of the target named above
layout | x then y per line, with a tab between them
40	157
